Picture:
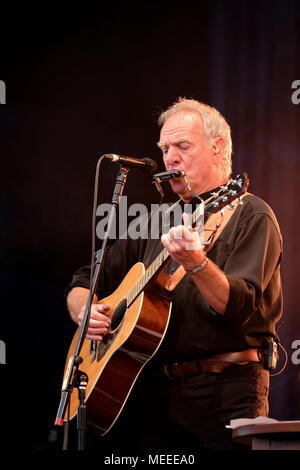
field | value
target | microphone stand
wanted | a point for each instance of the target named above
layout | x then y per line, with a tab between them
73	376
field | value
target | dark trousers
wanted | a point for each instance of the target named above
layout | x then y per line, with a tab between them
190	413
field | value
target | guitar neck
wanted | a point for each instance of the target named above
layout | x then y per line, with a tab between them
150	272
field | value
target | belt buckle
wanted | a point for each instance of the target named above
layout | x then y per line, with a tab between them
165	368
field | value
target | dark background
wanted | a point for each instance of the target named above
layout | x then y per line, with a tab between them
83	81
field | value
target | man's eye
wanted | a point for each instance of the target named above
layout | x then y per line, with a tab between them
184	147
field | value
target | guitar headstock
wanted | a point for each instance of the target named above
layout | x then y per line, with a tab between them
227	193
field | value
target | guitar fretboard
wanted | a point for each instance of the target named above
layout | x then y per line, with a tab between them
150	271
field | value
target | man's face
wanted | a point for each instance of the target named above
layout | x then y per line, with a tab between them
184	148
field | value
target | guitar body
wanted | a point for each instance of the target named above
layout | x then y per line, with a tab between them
113	365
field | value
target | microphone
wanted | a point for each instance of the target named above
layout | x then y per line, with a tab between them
145	164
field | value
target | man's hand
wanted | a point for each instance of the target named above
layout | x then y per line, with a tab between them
99	321
184	245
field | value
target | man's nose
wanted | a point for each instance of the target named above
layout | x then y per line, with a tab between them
172	157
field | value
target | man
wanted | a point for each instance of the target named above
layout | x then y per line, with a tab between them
209	368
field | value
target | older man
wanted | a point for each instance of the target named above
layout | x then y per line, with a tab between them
210	366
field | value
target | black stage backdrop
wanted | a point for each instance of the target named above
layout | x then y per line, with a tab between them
85	81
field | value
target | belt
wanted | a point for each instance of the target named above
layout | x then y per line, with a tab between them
217	363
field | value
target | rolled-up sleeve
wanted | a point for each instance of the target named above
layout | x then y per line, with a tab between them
253	272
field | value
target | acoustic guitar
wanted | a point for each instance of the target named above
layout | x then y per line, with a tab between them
140	312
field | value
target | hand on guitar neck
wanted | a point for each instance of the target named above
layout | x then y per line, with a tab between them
99	321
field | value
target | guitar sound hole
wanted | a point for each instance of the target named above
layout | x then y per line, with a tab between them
118	315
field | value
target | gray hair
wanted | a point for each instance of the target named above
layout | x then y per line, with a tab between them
214	124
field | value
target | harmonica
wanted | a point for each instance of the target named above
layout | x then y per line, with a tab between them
168	175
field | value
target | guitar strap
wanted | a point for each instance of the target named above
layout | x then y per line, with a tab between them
213	228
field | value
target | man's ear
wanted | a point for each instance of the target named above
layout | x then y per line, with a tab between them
218	148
